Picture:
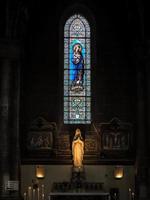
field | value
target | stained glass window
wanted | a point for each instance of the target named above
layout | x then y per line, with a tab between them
77	71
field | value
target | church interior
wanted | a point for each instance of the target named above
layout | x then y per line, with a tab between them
74	100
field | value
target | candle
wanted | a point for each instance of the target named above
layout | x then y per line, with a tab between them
42	188
33	194
29	193
42	196
130	194
115	196
38	194
133	195
25	196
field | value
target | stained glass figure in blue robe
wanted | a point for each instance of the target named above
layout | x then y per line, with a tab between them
77	67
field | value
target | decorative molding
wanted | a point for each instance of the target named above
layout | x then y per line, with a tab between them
116	139
42	124
41	134
97	151
62	145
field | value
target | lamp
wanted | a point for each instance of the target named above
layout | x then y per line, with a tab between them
118	172
40	171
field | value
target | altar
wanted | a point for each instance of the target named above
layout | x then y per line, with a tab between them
78	191
78	188
78	196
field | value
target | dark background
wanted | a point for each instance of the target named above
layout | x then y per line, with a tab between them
118	37
114	89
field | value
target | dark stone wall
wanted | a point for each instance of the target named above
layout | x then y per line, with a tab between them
120	72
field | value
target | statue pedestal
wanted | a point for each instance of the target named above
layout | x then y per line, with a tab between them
78	176
78	169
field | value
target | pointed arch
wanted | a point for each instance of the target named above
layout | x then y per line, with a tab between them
77	70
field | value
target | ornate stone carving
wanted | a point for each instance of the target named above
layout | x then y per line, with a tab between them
62	145
116	138
41	134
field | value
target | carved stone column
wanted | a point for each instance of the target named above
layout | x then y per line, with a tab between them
142	136
147	61
9	125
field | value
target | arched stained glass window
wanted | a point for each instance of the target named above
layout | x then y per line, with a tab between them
77	71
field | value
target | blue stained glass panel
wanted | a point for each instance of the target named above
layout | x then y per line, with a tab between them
77	80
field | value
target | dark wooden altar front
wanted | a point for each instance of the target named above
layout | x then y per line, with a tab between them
79	196
78	190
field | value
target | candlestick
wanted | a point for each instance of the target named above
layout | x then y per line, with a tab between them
29	193
33	194
25	196
42	188
133	195
42	196
38	194
115	196
130	197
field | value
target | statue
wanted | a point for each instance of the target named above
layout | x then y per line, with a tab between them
78	149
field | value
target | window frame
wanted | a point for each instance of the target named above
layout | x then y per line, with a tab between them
86	118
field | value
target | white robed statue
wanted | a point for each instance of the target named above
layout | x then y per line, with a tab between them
77	149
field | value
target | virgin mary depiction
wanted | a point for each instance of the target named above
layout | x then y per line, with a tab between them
78	149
